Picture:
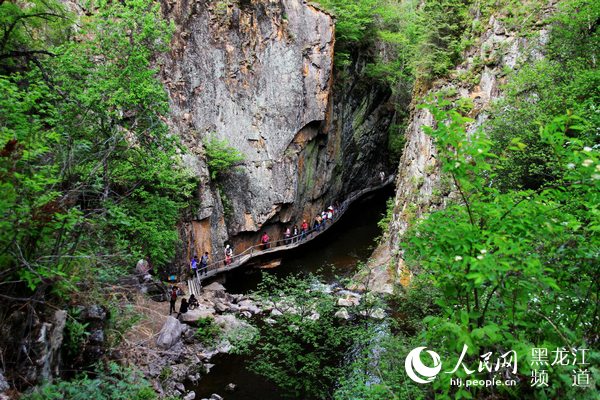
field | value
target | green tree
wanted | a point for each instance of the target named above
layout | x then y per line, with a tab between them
90	176
566	81
516	270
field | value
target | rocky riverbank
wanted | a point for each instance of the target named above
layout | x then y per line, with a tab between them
177	355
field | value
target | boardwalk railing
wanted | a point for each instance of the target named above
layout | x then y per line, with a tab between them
275	246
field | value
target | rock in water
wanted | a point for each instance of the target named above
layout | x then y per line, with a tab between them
190	396
170	333
230	387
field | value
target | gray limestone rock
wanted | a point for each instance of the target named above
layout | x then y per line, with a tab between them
4	386
342	313
190	396
199	313
170	333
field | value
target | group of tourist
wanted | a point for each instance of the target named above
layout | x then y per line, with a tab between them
291	235
295	234
201	265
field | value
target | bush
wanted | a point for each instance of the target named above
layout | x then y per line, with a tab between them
221	157
112	383
208	332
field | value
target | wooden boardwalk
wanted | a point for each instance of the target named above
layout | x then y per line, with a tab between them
276	246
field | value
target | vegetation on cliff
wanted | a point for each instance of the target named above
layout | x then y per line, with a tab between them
511	263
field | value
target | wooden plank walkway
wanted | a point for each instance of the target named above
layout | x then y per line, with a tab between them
218	267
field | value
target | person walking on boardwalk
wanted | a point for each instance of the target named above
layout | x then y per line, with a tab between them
265	240
286	236
172	300
318	221
295	234
194	265
228	254
204	263
330	214
304	229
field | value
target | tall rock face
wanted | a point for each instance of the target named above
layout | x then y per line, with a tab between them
259	73
420	186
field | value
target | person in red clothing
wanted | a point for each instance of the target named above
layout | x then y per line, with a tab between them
265	240
303	229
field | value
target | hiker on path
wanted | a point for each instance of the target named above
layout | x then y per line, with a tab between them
228	254
194	265
286	236
172	300
330	214
304	229
318	221
204	263
265	240
295	234
183	308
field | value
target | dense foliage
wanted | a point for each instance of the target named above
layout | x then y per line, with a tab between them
303	348
110	383
91	181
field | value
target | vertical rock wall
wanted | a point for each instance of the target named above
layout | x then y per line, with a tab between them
259	73
420	187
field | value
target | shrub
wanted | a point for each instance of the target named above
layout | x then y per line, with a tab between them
112	383
221	157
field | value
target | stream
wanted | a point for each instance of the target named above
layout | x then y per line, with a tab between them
333	254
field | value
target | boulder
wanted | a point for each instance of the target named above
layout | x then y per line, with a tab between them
276	313
196	314
215	289
4	386
342	314
250	306
314	316
220	307
344	302
170	333
93	313
96	336
230	387
190	396
215	396
378	313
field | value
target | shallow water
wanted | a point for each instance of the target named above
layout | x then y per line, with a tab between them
334	254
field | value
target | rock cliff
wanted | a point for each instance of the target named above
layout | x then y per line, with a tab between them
420	187
259	73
